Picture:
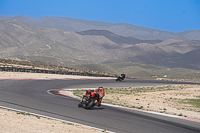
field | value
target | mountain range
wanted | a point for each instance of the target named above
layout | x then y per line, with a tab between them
35	41
122	29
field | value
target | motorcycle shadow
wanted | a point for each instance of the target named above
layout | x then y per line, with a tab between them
95	108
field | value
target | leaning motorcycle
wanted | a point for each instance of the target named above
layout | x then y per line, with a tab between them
88	100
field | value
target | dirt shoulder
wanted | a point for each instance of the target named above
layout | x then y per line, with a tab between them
18	122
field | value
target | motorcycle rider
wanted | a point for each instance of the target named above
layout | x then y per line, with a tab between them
123	76
100	94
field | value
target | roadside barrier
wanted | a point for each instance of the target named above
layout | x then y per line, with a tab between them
15	69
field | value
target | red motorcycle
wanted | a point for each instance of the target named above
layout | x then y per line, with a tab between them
88	100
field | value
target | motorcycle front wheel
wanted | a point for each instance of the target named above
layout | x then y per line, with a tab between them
80	105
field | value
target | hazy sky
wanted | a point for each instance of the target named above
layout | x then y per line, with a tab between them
168	15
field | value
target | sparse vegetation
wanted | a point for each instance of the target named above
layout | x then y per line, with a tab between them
193	102
180	114
23	113
79	93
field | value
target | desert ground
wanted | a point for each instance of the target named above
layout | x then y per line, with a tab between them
173	100
165	99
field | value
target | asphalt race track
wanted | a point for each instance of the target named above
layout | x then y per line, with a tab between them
31	96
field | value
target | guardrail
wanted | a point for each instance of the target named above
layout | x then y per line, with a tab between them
15	69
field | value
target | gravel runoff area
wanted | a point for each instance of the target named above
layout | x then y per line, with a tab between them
20	122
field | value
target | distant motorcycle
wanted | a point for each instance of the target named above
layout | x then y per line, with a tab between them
88	100
121	77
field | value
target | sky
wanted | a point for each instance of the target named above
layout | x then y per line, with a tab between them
167	15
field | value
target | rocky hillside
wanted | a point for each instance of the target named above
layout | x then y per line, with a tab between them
93	46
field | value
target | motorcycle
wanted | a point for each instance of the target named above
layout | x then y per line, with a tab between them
121	77
88	100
